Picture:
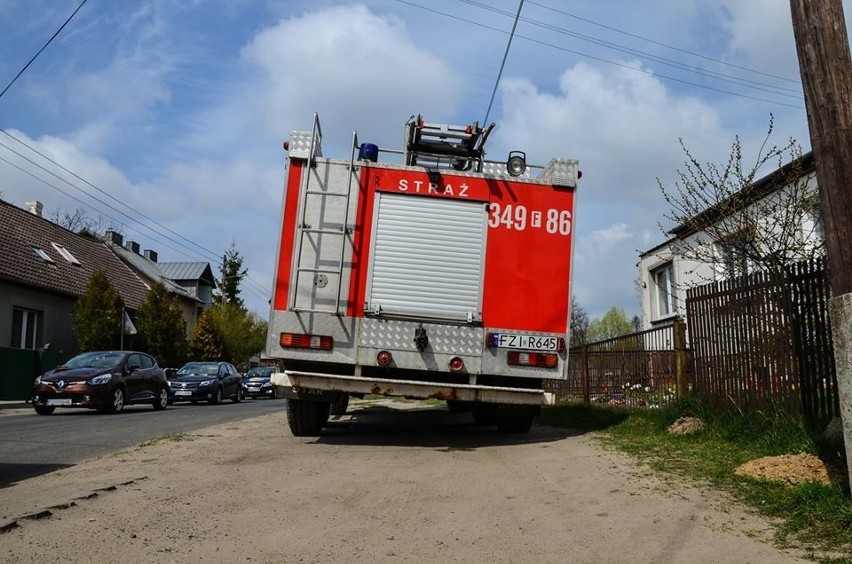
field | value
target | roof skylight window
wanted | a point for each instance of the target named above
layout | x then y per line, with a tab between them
66	254
41	254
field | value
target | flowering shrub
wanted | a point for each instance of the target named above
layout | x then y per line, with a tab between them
636	395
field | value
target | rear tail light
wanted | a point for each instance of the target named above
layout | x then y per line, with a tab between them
540	360
384	358
456	364
304	341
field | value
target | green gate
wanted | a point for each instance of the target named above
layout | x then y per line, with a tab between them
19	367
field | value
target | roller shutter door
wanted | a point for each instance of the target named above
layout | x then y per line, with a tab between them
427	257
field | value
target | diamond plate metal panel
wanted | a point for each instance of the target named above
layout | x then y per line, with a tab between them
399	335
560	172
300	145
342	329
499	169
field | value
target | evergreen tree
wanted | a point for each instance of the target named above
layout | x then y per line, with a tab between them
240	332
98	315
232	274
613	324
205	344
161	326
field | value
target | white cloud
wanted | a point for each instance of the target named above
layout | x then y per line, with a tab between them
150	105
622	125
761	35
359	70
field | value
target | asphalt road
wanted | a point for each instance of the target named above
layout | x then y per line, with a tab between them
32	444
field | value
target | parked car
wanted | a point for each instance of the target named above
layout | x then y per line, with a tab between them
102	380
206	381
256	382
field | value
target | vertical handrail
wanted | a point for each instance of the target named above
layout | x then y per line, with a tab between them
345	227
316	131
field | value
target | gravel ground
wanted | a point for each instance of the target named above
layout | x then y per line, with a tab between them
386	483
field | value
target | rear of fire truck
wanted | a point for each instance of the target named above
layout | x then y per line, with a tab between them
422	272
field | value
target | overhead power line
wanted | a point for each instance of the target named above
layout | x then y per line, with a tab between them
105	193
503	64
666	45
608	61
49	41
795	93
187	251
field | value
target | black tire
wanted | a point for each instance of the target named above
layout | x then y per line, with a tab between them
306	418
193	402
340	406
484	417
162	399
116	402
216	398
44	409
457	406
514	423
238	396
274	392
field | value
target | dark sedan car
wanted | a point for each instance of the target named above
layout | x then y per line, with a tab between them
206	381
256	382
102	380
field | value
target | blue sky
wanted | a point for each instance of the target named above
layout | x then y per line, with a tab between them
176	109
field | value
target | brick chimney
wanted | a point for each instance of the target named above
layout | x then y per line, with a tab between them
132	246
150	255
115	238
35	207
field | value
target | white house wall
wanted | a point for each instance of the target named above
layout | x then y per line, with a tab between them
689	273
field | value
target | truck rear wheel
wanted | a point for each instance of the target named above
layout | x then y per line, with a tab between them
340	406
306	418
457	406
514	423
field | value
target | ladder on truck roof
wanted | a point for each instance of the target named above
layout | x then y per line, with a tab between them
322	195
439	145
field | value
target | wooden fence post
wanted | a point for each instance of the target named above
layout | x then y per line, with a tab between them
584	364
679	338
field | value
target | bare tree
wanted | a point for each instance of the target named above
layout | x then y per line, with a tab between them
79	221
578	331
743	222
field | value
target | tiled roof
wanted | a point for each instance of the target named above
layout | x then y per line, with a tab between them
150	270
187	271
21	230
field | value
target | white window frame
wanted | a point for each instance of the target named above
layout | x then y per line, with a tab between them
66	254
663	291
29	333
42	254
726	266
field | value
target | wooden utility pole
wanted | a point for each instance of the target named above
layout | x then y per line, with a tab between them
826	68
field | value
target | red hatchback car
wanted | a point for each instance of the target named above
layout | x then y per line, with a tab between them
103	380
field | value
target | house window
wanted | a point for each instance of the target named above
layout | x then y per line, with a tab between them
734	254
662	291
41	254
26	328
813	226
66	254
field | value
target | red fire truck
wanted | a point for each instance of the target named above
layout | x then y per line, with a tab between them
440	275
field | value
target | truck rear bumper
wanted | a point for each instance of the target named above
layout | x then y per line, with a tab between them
411	389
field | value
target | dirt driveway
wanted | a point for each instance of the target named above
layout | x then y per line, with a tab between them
383	485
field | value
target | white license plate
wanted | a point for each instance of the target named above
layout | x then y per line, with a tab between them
526	342
183	393
254	389
59	401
